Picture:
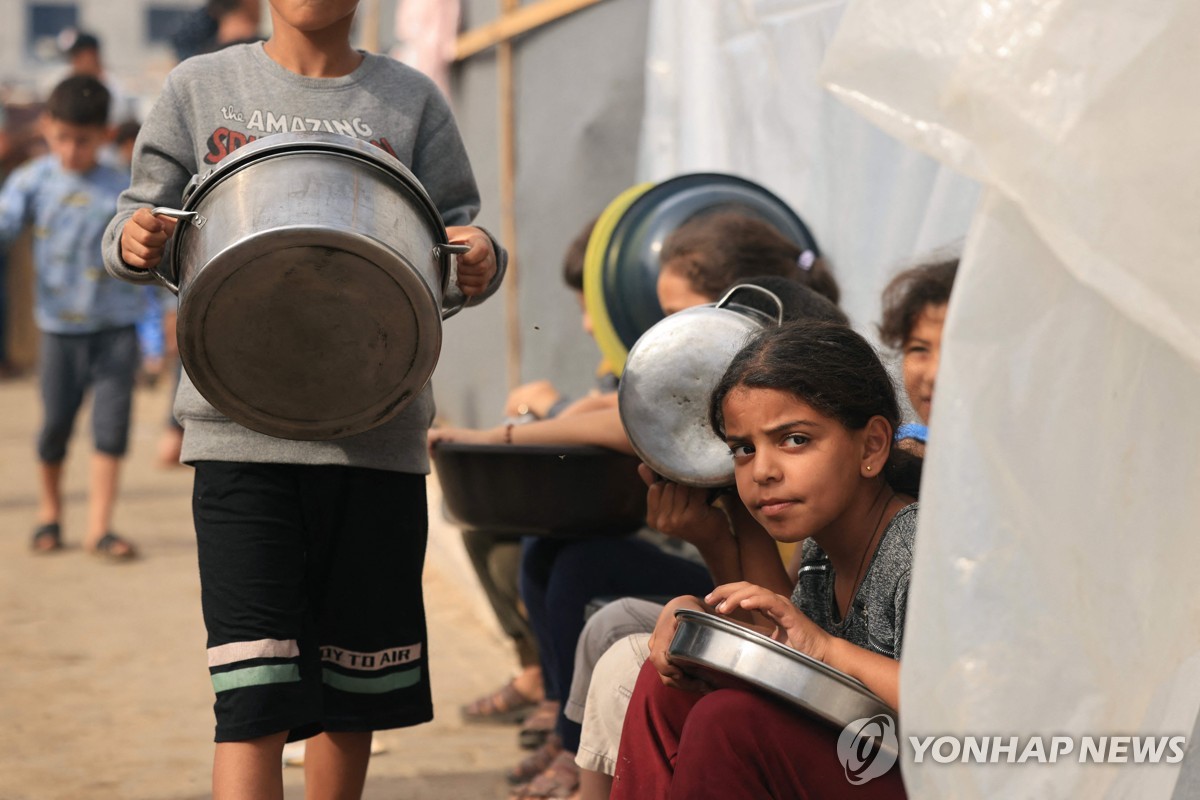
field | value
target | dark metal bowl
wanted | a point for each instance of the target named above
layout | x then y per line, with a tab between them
631	257
541	490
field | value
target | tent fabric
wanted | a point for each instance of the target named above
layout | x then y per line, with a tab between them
733	87
1052	584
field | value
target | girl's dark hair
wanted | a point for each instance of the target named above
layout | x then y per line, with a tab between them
573	260
909	293
79	100
718	249
832	369
799	301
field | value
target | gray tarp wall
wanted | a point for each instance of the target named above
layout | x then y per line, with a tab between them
579	89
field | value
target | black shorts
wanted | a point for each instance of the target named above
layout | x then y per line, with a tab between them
311	588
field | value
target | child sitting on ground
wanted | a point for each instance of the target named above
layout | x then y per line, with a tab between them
701	260
87	319
809	414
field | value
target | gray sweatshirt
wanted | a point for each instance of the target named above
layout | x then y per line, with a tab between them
213	104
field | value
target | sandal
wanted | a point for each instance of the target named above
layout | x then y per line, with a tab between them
537	762
539	725
114	548
559	780
503	707
47	538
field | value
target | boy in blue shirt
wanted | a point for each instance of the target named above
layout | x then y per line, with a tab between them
86	317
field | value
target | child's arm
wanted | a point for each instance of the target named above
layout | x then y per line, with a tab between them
686	514
878	673
758	553
601	428
163	163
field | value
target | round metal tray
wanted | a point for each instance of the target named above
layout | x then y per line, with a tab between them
724	653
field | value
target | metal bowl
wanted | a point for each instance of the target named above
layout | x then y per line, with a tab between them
725	654
669	377
570	491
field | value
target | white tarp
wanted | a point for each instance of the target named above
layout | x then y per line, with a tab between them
1053	592
733	87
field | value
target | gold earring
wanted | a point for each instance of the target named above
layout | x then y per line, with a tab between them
868	468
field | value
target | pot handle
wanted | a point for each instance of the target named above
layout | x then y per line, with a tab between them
453	300
176	214
749	287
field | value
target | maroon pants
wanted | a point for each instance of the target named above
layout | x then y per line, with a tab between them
730	744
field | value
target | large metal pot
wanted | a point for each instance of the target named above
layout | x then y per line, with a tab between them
670	375
725	654
313	273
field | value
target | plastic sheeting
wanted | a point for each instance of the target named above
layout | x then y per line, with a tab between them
1053	591
733	87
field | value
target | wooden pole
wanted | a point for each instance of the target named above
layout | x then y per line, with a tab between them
515	21
508	201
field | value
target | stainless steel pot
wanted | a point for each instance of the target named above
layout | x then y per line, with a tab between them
669	376
313	273
724	653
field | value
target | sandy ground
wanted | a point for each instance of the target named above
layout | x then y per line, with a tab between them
104	691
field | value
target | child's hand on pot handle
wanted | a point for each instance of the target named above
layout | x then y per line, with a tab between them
144	237
477	266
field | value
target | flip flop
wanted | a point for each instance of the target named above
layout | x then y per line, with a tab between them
536	763
538	725
47	538
559	780
114	548
504	706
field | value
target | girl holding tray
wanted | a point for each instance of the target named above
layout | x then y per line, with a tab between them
810	415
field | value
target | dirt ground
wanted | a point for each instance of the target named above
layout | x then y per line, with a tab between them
104	690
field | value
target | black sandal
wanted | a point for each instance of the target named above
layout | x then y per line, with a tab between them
115	548
47	538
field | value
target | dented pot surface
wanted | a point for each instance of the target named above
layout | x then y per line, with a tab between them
313	274
670	374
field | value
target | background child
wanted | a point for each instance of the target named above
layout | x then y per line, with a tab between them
809	414
87	319
496	555
310	553
914	312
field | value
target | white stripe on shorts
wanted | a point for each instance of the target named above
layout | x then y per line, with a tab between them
244	651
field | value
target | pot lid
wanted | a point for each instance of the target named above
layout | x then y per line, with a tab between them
622	262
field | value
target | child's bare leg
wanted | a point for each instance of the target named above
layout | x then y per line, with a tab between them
50	503
594	785
250	770
102	496
529	681
335	765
